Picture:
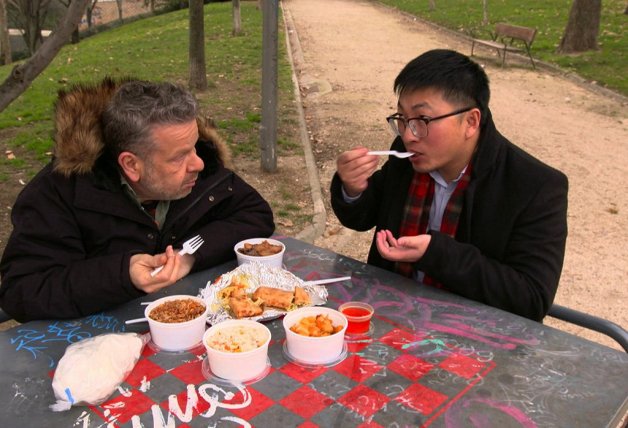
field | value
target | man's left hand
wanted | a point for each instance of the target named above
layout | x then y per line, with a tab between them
406	249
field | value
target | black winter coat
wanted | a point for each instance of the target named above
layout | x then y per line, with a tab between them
510	243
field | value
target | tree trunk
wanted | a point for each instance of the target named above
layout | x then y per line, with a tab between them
119	4
198	76
5	39
484	12
268	127
432	5
35	15
237	21
76	36
582	28
88	17
23	75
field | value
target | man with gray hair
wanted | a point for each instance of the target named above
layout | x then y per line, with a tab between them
135	173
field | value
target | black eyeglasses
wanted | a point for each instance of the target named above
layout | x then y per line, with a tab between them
418	125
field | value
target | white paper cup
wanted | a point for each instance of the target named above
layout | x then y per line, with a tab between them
176	336
314	350
238	366
275	260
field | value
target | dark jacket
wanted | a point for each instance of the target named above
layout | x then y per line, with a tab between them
74	229
510	243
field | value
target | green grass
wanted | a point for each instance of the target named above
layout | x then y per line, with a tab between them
607	66
155	48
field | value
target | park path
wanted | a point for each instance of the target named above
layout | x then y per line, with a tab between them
346	55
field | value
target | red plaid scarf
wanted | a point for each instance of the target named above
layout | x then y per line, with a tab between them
417	213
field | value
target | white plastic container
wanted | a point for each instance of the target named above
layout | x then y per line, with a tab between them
314	350
238	366
176	336
275	260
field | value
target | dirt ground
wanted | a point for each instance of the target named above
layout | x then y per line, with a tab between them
347	61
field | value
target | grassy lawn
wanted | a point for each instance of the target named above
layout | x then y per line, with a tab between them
607	66
156	49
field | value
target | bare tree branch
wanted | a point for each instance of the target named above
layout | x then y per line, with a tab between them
23	75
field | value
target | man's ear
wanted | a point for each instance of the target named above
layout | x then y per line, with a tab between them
473	122
131	165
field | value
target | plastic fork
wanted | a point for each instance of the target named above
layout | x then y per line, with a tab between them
189	247
400	155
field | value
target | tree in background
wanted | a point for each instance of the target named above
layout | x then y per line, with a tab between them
237	21
23	75
89	13
484	12
150	3
119	4
582	28
198	76
5	38
76	35
29	16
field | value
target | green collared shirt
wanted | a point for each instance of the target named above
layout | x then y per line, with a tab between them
161	209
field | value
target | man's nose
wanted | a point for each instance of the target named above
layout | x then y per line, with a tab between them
407	135
197	164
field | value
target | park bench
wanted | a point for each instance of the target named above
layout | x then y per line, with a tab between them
504	39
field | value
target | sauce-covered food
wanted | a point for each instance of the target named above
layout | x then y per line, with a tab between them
262	249
236	338
179	310
315	326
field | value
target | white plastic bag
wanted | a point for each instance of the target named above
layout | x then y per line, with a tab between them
91	370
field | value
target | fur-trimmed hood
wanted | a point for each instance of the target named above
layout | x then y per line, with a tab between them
78	141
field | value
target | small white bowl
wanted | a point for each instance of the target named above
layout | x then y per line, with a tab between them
314	350
275	260
177	336
238	366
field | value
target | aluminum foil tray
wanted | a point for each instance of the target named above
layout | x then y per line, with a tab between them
255	274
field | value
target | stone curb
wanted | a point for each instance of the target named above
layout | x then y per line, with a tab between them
295	56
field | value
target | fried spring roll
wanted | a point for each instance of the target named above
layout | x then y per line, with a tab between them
274	297
244	307
301	298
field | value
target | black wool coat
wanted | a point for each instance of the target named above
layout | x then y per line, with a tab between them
510	243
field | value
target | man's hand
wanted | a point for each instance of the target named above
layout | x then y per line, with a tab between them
407	249
175	268
354	168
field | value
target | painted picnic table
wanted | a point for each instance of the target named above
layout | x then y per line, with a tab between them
433	359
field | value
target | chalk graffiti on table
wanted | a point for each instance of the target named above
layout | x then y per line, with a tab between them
437	316
202	400
36	342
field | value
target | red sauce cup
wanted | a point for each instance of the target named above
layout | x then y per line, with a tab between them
359	315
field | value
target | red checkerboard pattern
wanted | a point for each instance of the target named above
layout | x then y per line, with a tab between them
296	396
